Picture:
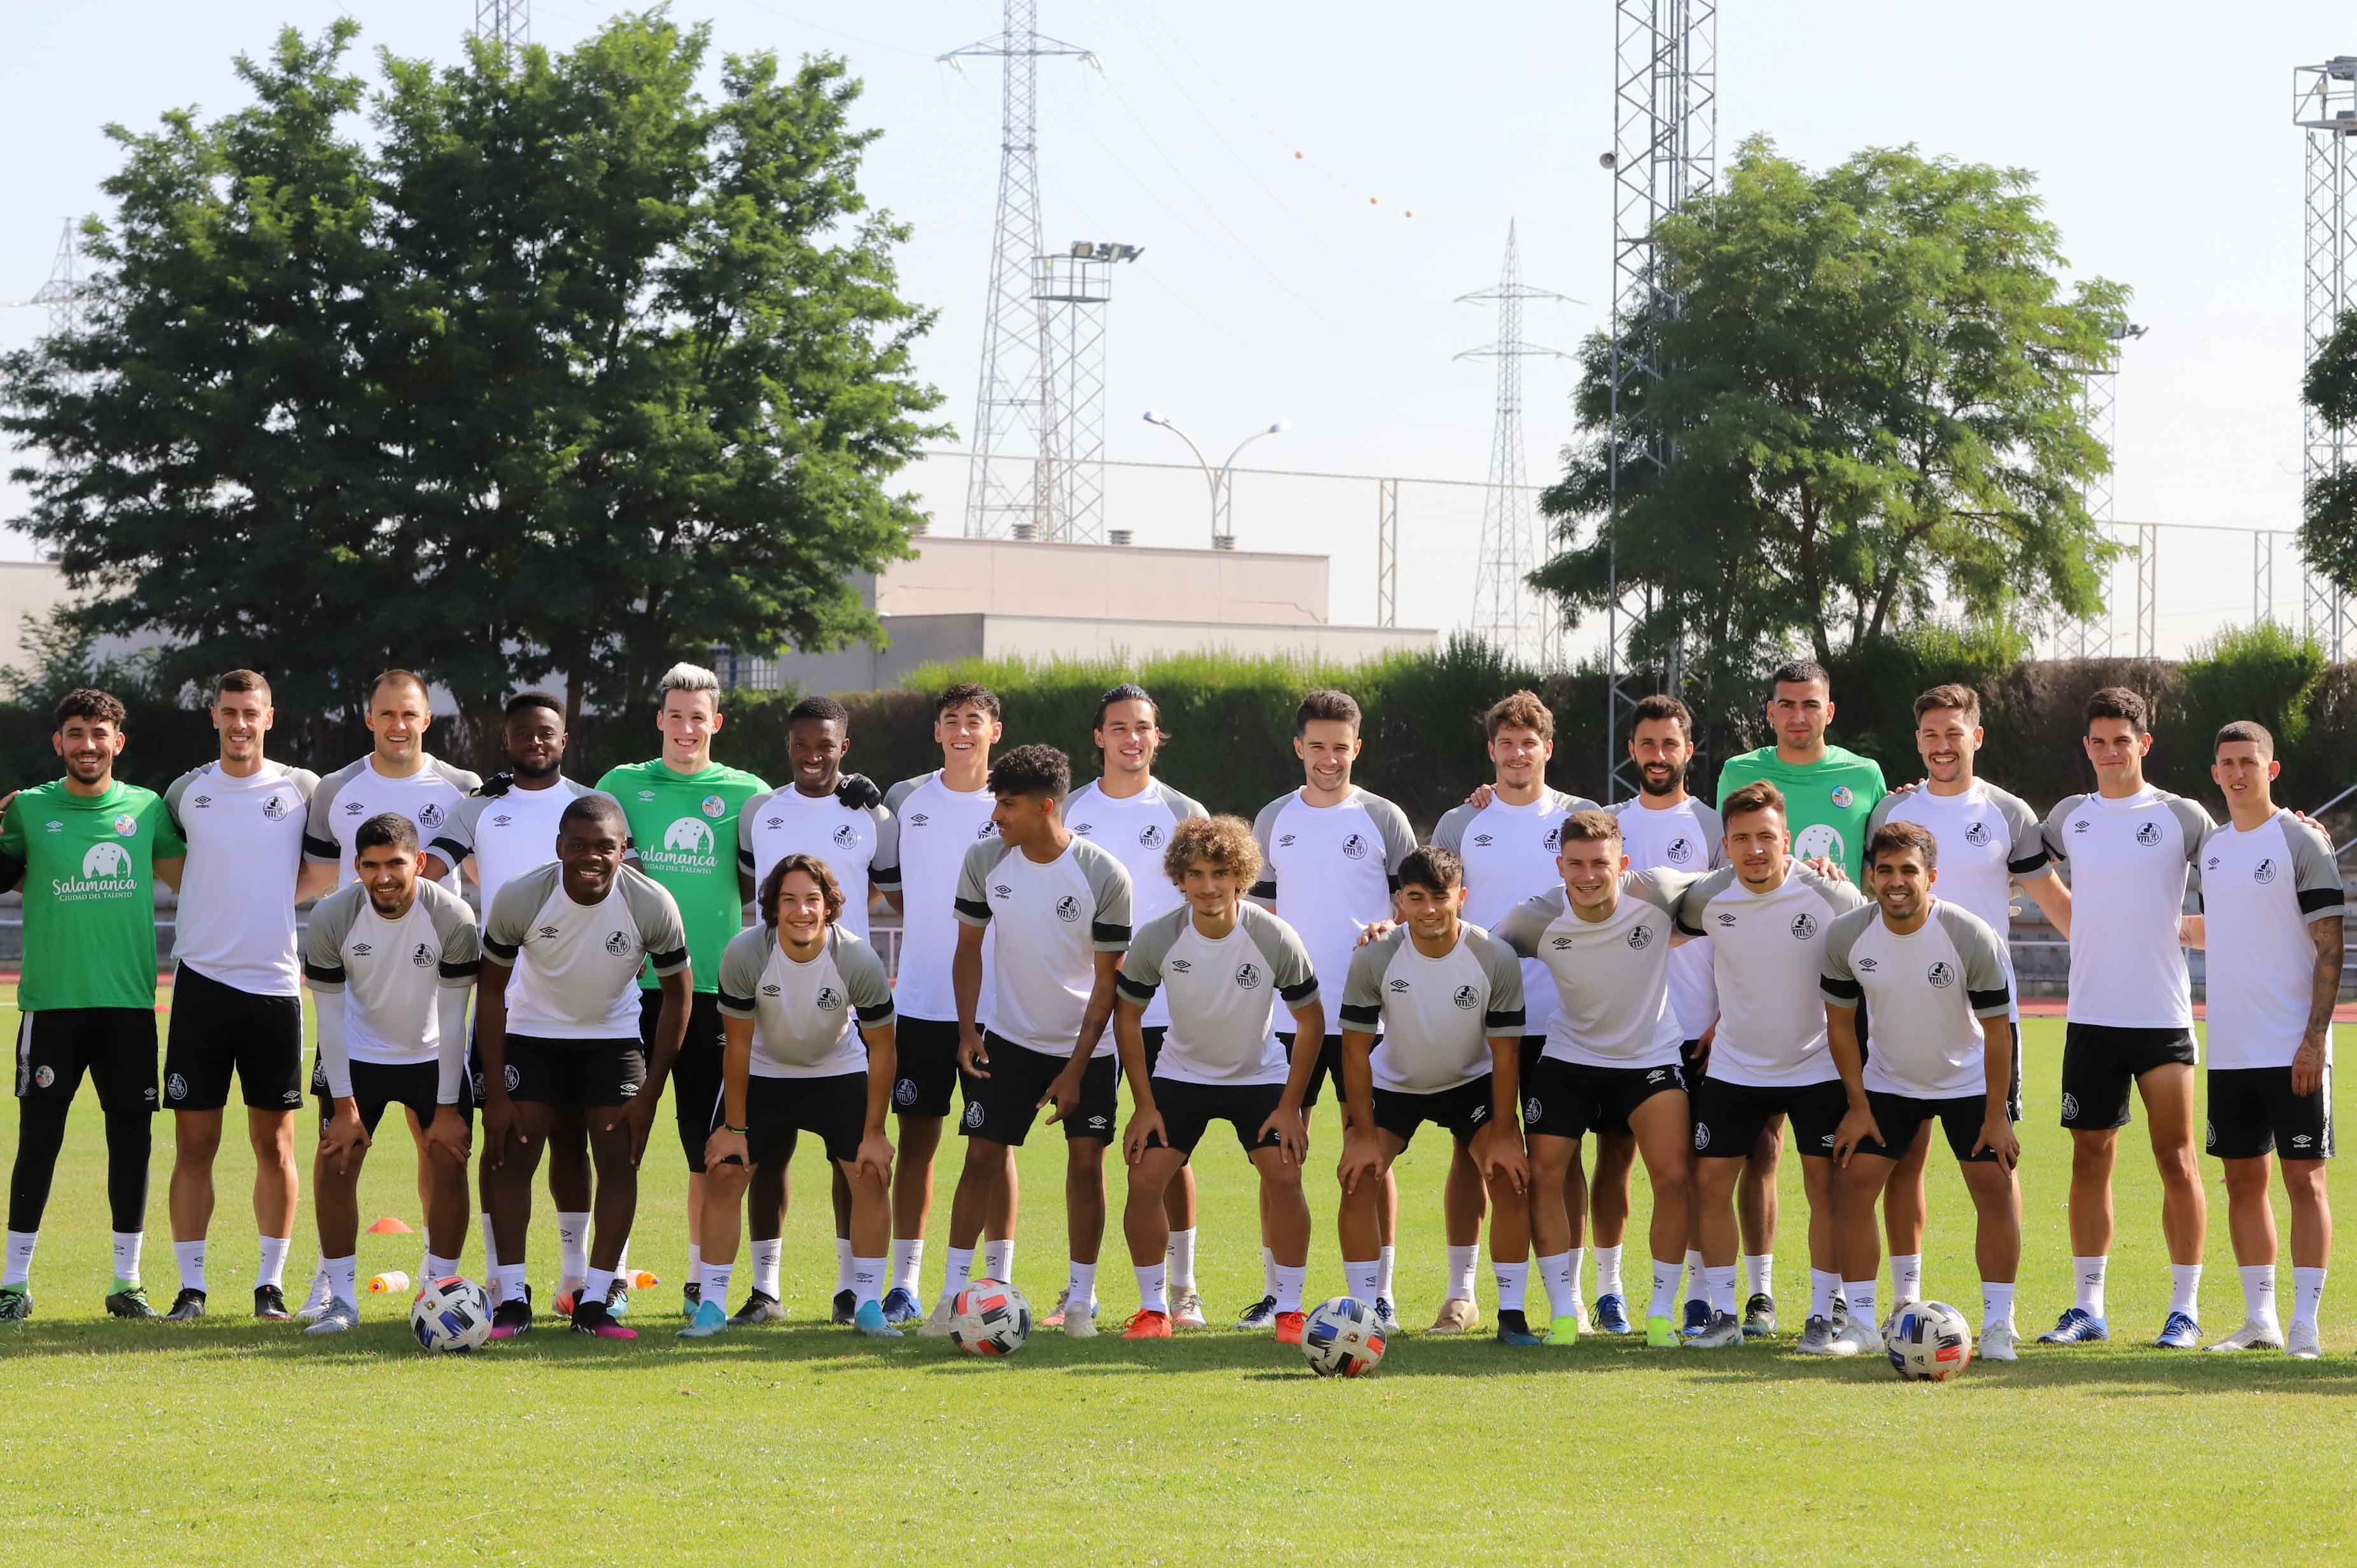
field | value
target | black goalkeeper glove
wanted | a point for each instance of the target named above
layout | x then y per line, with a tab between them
859	791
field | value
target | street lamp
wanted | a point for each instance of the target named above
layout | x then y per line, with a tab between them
1223	488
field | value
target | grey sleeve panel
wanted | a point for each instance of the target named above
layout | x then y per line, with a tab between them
1839	896
1527	921
456	833
1183	808
2316	874
901	791
2194	822
1880	813
863	975
1265	832
1660	887
884	870
2052	829
172	793
1109	897
1449	833
304	781
458	779
2026	855
1988	982
1141	965
1362	988
982	857
321	839
661	931
1697	897
1505	971
1835	977
323	937
745	819
1280	945
1399	839
1708	818
741	963
454	928
1566	802
509	919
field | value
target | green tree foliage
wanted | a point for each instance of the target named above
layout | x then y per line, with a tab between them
2267	672
1873	389
2328	530
567	370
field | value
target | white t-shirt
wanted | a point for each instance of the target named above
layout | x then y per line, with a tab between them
1925	993
1768	951
1612	975
1135	830
1330	871
1509	854
356	791
1221	992
1685	837
576	965
1437	1015
1986	838
507	834
2130	860
2261	890
861	847
236	918
1051	920
392	973
937	826
806	1015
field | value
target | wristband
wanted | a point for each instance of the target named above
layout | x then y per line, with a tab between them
740	1132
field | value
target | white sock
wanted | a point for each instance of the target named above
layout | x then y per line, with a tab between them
1555	1276
2089	1273
1383	1273
272	1268
1267	1272
1858	1295
1578	1256
598	1282
1080	1279
2258	1292
622	1261
126	1255
695	1261
715	1278
1824	1286
2308	1295
866	1280
343	1279
2185	1289
1360	1278
908	1265
842	1264
768	1259
1720	1283
507	1283
1513	1280
1760	1275
1151	1294
1608	1272
19	1268
439	1268
190	1256
1996	1305
1181	1259
999	1261
490	1251
1665	1291
1906	1277
1286	1286
573	1248
1697	1281
958	1265
1463	1262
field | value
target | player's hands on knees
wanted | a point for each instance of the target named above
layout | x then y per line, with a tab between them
1857	1125
344	1137
1292	1134
1498	1150
972	1055
2308	1067
874	1160
1998	1138
1063	1096
447	1132
1377	931
726	1147
1362	1160
1143	1124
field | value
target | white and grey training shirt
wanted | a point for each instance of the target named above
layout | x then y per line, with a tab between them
1611	975
1926	993
392	989
1330	871
2130	862
1986	836
576	965
356	791
236	918
2261	891
937	826
806	1014
1766	953
1135	830
1687	838
860	845
1221	992
1051	920
1437	1014
1509	854
506	834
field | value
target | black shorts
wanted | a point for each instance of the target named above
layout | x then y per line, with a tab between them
1190	1108
216	1027
116	1045
926	1051
2101	1064
777	1109
2253	1111
694	1072
1569	1099
1003	1106
1729	1116
1900	1116
1329	1065
1464	1109
1153	1038
576	1073
378	1085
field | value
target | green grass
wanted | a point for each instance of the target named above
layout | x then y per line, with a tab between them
234	1440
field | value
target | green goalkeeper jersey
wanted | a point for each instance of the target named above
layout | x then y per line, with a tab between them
683	830
1826	802
90	893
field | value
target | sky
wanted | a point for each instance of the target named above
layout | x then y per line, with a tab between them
1315	186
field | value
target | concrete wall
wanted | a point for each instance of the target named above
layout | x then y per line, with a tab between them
1000	576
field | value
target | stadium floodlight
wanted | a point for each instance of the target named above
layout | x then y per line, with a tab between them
1607	161
1083	249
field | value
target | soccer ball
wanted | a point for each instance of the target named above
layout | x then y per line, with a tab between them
990	1317
1929	1341
451	1315
1340	1339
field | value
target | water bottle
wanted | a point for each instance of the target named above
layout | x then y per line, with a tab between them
390	1282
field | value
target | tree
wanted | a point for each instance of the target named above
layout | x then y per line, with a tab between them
2328	529
1872	384
572	372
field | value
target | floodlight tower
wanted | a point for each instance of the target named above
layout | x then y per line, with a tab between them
2100	395
1664	150
507	22
1015	406
1505	612
1072	289
2324	104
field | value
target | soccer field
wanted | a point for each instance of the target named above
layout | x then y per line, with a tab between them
237	1440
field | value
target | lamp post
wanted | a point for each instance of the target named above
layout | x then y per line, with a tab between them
1219	480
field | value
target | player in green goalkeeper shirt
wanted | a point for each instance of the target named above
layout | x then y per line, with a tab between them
88	849
1830	789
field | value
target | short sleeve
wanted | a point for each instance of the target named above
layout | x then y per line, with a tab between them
863	977
1399	839
1835	977
1449	833
1527	923
319	840
1880	814
1109	882
1988	983
884	867
1265	832
2316	874
455	838
741	963
166	843
2028	857
661	931
972	900
1504	1013
2193	821
745	816
1141	966
1288	961
2057	823
172	795
1362	988
323	943
1183	808
509	919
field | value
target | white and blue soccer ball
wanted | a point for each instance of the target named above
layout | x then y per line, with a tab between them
990	1317
1929	1341
1341	1339
451	1315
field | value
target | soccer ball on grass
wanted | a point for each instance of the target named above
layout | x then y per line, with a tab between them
990	1317
1929	1341
451	1315
1340	1339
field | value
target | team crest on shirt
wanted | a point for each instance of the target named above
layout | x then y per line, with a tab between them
126	825
1467	998
617	943
1248	976
1977	834
1680	851
987	829
1068	909
1355	847
829	999
1804	925
429	816
844	837
1941	975
422	955
1842	797
1152	837
1640	938
2148	834
714	806
2264	872
1554	839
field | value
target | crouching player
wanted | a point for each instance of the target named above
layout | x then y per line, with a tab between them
1934	977
1448	997
799	996
391	958
1220	961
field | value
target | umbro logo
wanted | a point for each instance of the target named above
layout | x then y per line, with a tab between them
1000	890
1285	840
548	933
1483	841
1085	829
2301	1139
1867	964
202	801
1182	966
360	950
1659	1075
1561	943
773	824
2211	863
502	820
2079	826
1726	920
353	808
773	989
917	819
1399	987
